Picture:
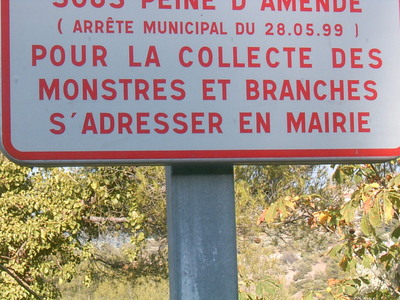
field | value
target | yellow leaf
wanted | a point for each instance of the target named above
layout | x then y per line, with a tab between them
388	209
323	217
271	213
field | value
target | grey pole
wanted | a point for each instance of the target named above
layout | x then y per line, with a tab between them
201	233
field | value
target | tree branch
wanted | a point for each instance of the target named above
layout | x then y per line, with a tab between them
376	171
115	220
112	264
20	282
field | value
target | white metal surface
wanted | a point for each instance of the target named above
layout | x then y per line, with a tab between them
236	81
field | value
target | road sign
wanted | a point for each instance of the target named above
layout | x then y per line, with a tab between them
166	81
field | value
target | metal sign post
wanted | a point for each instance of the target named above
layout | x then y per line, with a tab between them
201	232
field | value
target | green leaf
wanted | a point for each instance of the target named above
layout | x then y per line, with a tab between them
350	290
271	213
351	266
335	250
368	260
396	233
282	210
365	279
259	289
366	226
348	212
242	296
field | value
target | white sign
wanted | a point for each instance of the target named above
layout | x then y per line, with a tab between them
164	81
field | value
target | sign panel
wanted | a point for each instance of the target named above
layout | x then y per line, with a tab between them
166	81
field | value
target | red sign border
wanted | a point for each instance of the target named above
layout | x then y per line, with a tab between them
164	156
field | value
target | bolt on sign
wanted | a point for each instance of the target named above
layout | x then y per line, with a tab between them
167	81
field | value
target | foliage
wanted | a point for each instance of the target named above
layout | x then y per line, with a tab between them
137	192
260	273
370	222
50	219
53	222
265	289
39	230
259	186
367	223
262	267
